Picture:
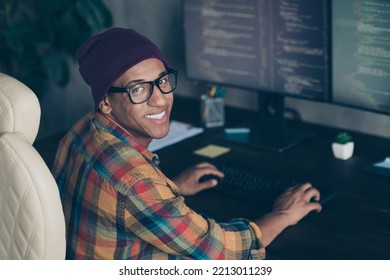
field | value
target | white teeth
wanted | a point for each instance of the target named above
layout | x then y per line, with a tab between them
156	117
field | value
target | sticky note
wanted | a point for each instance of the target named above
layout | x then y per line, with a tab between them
212	151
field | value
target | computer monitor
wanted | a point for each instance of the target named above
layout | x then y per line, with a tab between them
278	48
361	54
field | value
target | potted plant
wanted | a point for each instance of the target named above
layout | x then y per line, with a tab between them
343	146
39	39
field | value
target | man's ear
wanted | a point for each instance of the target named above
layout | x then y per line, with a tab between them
105	106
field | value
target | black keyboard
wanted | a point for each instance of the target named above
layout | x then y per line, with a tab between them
256	185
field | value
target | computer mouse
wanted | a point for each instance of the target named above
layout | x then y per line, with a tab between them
207	177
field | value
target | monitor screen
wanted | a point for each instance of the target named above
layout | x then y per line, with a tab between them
271	46
278	48
361	54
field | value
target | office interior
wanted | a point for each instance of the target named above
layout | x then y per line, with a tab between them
162	22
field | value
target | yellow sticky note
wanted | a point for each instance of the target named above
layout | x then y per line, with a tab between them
212	151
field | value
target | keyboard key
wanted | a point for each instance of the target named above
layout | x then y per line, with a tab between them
256	185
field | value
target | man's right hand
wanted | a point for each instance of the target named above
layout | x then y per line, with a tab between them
289	208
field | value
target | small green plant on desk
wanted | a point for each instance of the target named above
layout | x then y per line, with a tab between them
343	146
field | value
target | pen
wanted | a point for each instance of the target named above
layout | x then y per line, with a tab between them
212	91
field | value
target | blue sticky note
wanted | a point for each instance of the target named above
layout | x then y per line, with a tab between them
384	164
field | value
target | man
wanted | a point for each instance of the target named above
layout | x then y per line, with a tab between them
117	202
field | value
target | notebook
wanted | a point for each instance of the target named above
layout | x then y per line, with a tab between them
178	131
381	168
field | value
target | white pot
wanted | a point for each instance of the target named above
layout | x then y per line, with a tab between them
343	151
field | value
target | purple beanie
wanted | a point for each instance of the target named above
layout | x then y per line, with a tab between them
105	57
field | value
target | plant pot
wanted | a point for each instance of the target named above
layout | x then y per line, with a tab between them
343	151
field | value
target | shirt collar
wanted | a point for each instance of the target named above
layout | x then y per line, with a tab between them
107	125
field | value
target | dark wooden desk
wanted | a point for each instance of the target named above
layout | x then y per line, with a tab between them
355	225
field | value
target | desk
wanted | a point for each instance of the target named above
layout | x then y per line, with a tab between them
355	225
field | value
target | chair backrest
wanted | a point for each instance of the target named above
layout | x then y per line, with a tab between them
32	224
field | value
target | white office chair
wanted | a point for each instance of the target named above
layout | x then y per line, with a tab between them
32	223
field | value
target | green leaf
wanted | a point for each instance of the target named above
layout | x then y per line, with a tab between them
21	37
14	37
343	138
30	72
38	34
75	32
51	6
95	13
56	67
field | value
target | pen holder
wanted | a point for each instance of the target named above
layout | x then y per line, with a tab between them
212	111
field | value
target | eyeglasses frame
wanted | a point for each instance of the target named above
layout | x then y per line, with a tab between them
152	84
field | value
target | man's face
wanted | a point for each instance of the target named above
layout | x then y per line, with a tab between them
147	120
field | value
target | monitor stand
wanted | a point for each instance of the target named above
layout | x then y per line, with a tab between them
270	131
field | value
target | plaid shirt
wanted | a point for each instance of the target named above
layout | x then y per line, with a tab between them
119	205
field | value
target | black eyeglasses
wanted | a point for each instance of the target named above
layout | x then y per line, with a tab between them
142	92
